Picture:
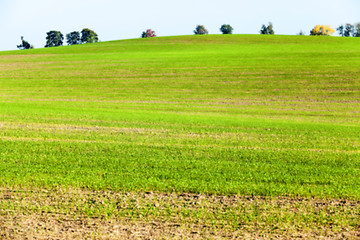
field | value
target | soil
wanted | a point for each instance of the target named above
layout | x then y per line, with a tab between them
64	214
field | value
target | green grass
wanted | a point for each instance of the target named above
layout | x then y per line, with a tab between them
237	114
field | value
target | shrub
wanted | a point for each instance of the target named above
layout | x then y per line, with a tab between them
301	33
24	45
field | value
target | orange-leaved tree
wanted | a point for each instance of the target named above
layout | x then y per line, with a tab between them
322	30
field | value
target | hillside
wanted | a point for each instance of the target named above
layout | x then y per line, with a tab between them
230	115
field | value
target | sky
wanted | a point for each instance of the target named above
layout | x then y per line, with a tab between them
119	19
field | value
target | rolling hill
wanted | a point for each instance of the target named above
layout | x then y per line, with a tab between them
219	115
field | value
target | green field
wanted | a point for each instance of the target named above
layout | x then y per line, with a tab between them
221	115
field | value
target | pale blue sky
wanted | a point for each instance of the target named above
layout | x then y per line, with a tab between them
117	19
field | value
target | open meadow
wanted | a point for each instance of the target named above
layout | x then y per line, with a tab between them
218	136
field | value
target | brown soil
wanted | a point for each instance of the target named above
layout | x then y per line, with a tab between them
81	214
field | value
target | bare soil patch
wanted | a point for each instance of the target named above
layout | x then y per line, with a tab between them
85	214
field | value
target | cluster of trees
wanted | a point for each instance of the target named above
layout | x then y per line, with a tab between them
227	29
199	30
349	30
55	38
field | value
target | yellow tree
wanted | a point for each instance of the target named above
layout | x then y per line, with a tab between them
322	30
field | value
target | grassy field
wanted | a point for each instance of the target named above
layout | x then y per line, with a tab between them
271	122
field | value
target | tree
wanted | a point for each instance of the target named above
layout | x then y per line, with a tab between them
24	44
340	30
226	29
148	33
322	30
267	29
200	30
73	38
356	32
349	29
54	39
346	31
88	36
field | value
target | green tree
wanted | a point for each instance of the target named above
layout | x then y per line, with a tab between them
267	29
226	29
200	30
88	36
346	30
24	44
356	32
349	29
73	38
54	39
340	30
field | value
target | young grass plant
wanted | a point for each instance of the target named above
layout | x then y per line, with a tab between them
226	115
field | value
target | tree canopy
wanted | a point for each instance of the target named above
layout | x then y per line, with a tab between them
200	30
322	30
349	30
267	29
356	30
54	39
88	36
226	29
148	33
73	38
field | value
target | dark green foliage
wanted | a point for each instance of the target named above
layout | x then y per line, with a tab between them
340	30
24	44
54	39
349	30
267	29
73	38
226	29
356	32
200	30
88	36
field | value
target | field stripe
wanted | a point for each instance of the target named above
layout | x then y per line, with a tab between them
187	146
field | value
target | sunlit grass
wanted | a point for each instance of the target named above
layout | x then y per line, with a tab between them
261	115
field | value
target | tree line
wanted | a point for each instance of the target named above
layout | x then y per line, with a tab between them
346	30
55	38
349	30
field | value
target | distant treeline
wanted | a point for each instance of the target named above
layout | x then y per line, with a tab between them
55	38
